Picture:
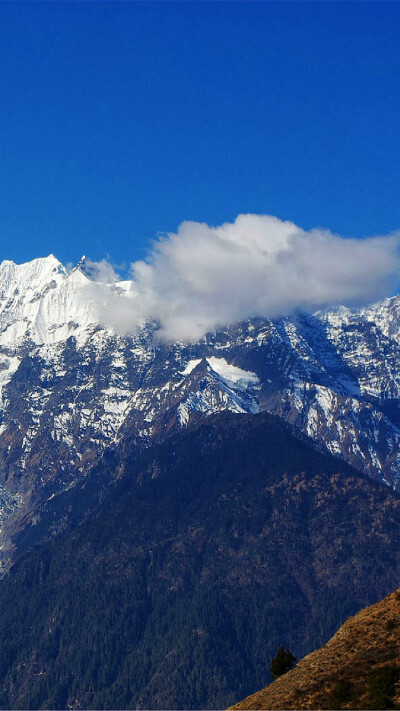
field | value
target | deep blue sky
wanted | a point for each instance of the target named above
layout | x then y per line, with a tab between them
119	120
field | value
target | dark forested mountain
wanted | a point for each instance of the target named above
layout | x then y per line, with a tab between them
214	547
71	387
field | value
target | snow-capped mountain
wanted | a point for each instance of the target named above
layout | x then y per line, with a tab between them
39	302
71	387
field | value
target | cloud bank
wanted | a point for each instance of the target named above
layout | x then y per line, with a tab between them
204	277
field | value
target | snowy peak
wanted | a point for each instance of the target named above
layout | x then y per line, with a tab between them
231	374
216	385
40	302
34	274
85	268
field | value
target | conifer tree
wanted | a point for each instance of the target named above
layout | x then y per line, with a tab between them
282	662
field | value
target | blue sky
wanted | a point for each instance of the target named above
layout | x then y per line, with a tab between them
120	120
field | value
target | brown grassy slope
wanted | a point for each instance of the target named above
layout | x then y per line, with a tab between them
359	668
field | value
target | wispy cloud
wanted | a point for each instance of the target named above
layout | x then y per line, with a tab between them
102	271
203	277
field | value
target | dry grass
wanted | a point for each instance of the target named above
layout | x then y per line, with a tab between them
359	668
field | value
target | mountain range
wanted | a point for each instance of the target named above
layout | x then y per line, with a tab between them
172	513
72	386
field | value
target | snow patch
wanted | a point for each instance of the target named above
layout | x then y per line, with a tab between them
232	374
190	366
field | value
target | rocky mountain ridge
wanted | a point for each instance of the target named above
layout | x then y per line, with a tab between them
70	386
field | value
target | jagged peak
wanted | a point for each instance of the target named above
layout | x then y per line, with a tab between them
90	270
35	273
49	261
82	262
222	369
40	299
81	271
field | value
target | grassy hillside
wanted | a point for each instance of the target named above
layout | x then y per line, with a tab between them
359	668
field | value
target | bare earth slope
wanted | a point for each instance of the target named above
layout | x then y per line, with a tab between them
359	668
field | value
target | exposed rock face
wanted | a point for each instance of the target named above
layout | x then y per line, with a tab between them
359	668
69	386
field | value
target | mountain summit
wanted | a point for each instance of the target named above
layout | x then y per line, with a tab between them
41	303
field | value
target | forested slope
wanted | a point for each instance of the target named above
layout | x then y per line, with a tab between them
216	546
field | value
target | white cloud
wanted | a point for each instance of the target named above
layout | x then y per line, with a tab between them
101	271
203	277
